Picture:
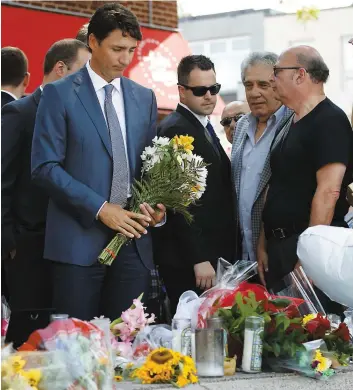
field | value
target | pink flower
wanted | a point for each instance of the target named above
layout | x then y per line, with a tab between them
124	349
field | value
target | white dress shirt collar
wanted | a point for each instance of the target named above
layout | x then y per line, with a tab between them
11	94
202	118
98	82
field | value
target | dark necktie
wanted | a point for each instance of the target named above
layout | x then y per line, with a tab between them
214	140
119	188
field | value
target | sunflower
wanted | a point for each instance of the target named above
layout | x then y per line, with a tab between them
167	366
322	363
118	378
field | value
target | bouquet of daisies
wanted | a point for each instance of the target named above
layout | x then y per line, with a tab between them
171	175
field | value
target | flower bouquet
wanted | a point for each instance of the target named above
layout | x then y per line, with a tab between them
84	355
128	325
166	366
171	175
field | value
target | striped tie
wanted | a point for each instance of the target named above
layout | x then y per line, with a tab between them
119	188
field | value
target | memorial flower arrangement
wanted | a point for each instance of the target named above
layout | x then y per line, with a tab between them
126	327
171	175
285	330
166	366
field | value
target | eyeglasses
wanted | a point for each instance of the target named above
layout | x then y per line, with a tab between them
228	120
201	91
276	69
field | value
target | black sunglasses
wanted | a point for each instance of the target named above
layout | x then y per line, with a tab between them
228	119
277	69
201	91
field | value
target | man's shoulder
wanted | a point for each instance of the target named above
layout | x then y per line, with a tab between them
173	120
23	105
140	89
329	115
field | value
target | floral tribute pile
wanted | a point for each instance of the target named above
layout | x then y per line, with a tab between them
286	330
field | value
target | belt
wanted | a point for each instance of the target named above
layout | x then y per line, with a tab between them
285	232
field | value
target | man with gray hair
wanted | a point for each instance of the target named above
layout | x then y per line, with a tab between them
256	132
311	165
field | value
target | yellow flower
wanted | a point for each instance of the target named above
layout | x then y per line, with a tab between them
184	142
17	363
33	376
182	381
162	365
118	378
323	363
308	318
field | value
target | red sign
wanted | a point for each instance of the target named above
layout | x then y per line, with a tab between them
154	64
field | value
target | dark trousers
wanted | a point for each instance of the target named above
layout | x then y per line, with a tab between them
28	280
177	281
282	258
88	292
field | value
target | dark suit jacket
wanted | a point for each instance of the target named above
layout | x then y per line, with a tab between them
6	98
72	160
212	233
23	204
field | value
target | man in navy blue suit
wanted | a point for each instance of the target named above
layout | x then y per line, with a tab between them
91	129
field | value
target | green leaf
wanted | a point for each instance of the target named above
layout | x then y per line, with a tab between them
276	349
280	303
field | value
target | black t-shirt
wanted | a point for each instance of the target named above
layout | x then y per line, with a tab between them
321	137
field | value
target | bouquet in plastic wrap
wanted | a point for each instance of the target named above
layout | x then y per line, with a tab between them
5	316
34	370
151	338
83	353
314	361
229	277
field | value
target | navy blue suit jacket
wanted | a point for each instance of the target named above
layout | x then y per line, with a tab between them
72	160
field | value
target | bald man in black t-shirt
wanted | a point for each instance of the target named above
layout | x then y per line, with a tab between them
311	166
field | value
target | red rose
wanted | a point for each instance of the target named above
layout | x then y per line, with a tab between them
342	332
318	326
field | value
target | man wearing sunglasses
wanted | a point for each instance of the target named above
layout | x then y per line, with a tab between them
187	254
311	166
231	114
251	148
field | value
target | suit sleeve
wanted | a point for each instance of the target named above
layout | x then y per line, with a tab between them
48	161
11	143
194	247
154	116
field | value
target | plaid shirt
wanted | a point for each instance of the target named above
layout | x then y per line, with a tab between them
155	287
236	161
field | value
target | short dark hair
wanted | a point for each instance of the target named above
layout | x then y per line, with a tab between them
82	34
189	63
113	16
315	66
14	66
65	50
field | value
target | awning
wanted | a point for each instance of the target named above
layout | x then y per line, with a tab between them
155	66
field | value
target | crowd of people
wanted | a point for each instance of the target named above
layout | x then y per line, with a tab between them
71	151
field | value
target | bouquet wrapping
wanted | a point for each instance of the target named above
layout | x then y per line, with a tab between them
83	353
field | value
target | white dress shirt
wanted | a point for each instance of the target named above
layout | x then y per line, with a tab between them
11	94
202	118
118	102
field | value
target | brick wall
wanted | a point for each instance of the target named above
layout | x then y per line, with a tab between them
164	13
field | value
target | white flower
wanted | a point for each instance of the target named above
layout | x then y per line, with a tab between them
161	141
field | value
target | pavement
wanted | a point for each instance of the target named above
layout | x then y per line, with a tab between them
343	380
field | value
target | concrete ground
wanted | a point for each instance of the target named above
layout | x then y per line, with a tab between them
343	380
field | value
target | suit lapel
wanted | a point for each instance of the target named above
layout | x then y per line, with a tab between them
192	118
133	132
237	152
87	95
